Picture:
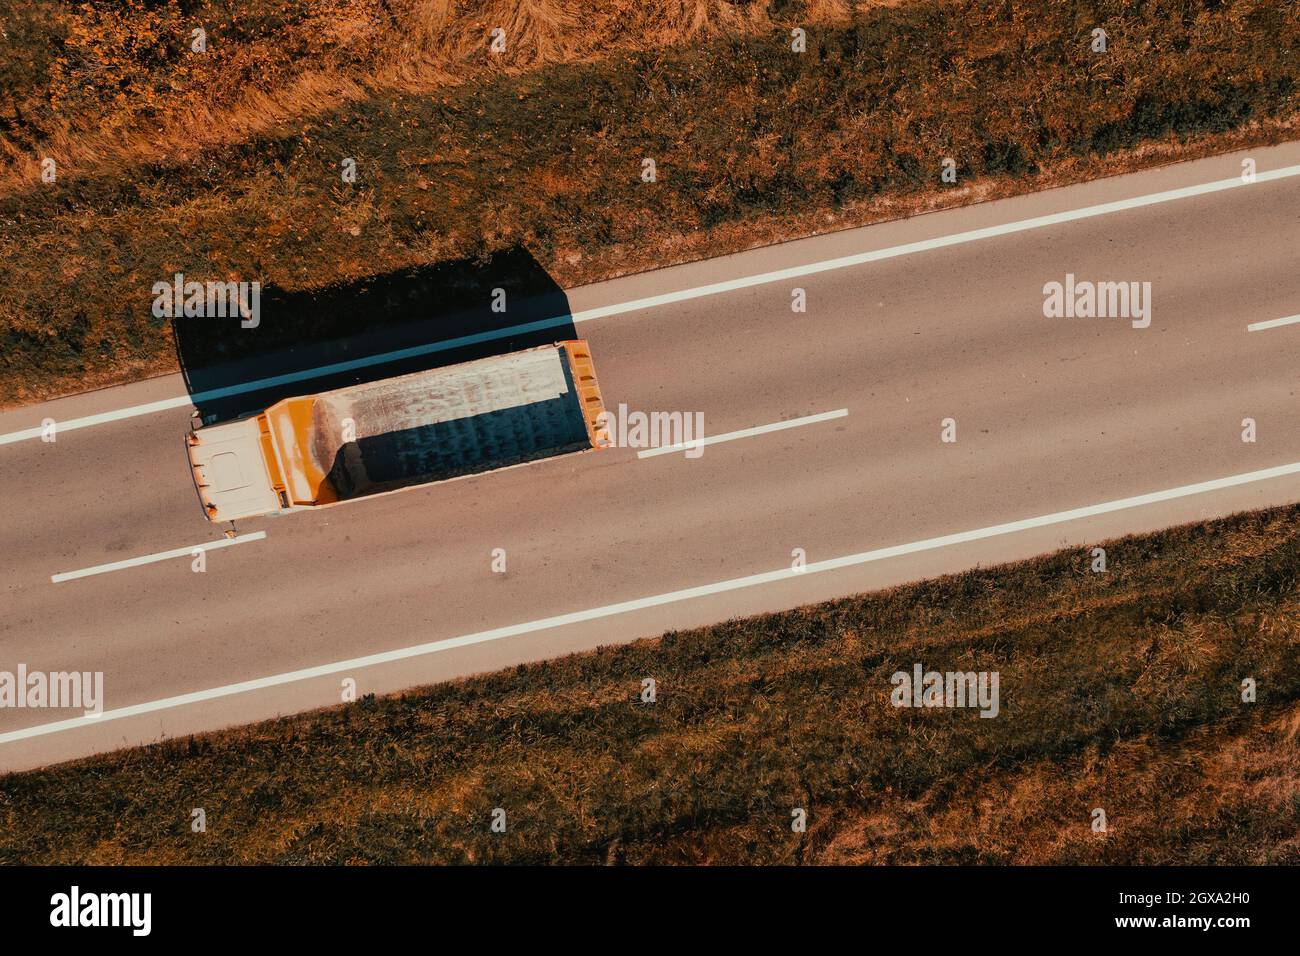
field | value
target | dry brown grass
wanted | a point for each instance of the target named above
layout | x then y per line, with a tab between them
113	102
1157	793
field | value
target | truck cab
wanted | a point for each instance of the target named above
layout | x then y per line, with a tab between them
232	472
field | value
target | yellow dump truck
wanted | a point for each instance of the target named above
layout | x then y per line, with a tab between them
378	437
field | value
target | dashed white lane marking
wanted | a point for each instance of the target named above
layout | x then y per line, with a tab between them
1272	323
160	556
743	433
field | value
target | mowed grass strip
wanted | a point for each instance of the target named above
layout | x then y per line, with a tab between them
1120	691
752	143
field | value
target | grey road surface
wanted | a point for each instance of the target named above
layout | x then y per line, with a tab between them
1051	414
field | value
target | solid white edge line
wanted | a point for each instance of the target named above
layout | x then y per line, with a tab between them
671	597
154	558
744	433
1272	323
131	411
683	295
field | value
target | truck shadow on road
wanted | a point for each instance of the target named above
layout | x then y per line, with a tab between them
321	339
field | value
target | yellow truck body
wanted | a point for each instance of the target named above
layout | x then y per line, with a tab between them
318	450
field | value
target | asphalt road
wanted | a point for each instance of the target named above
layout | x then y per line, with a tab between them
1052	415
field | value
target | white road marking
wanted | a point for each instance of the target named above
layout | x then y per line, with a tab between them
160	556
681	295
1272	323
671	597
744	433
181	401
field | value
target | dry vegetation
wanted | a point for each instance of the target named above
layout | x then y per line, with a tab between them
226	164
1119	690
113	84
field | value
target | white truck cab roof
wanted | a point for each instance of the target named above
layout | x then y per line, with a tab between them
230	472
